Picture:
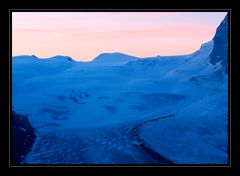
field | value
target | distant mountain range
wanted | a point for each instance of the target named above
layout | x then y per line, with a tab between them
219	53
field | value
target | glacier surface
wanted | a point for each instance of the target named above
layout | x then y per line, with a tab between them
120	109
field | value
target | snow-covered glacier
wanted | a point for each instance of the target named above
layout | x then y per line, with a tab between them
120	109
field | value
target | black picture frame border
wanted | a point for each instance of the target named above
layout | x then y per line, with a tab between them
183	170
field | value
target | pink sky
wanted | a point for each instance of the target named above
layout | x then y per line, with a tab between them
84	35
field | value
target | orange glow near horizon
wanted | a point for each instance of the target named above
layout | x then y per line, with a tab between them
84	35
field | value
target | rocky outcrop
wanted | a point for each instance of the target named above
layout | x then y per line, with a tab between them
220	50
22	137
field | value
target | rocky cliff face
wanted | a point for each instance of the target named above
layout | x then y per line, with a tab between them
22	137
220	50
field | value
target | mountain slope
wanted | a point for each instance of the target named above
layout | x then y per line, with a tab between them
220	50
201	137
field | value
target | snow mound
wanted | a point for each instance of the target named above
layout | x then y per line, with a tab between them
111	59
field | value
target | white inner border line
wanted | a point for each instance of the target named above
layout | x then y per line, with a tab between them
124	10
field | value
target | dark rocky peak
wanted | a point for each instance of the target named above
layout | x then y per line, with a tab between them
220	49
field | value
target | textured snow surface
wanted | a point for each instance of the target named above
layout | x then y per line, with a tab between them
119	109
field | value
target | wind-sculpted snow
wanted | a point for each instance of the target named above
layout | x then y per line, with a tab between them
120	109
199	138
117	144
